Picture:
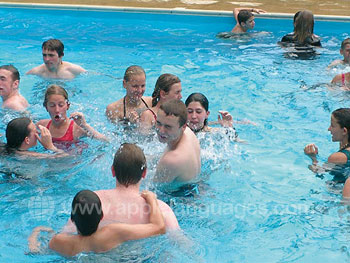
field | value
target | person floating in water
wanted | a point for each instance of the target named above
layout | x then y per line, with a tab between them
345	52
129	108
340	131
244	19
181	160
86	214
54	67
9	89
168	86
65	129
22	134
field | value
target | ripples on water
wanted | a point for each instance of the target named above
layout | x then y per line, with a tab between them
256	201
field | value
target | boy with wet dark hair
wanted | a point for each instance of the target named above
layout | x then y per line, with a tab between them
245	19
54	67
86	215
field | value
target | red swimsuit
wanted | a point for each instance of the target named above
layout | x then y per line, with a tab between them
67	137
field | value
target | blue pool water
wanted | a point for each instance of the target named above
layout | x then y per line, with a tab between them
258	202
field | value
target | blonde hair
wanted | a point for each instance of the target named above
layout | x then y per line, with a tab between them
132	71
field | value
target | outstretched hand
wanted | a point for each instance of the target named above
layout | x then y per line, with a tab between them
225	119
311	150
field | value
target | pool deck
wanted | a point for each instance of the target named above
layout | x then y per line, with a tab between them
279	8
159	10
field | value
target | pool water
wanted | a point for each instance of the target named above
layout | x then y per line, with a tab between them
257	202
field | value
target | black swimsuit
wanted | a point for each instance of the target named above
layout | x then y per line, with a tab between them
125	119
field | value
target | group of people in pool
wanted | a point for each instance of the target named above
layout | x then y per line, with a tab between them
302	39
176	124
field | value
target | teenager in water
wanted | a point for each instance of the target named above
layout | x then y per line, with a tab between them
340	131
22	134
65	129
129	108
168	86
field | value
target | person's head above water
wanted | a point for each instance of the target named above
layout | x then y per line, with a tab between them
340	117
168	86
246	19
54	45
304	26
134	82
56	102
86	212
129	164
345	50
171	121
20	133
197	111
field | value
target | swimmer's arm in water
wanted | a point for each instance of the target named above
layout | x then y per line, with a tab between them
337	79
170	168
87	130
146	122
346	191
33	242
335	63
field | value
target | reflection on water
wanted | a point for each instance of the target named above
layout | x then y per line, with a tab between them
320	7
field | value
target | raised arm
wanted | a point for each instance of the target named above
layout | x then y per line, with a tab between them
253	10
33	243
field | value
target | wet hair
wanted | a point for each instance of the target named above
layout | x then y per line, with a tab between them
342	115
296	15
203	101
128	164
176	108
164	82
132	71
345	42
16	131
54	45
86	212
54	90
304	26
243	16
13	70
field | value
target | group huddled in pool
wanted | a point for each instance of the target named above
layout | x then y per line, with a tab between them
175	123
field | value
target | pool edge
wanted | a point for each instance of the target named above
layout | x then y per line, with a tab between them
175	11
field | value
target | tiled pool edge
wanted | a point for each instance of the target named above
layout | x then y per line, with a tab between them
175	11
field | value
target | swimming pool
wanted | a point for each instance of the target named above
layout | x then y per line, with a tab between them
258	202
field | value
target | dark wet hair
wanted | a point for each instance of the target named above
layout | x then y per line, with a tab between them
129	163
199	97
16	131
13	70
295	16
133	70
54	90
345	42
342	115
243	16
304	26
86	212
164	82
176	108
54	45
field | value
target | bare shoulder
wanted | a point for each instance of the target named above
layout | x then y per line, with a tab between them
73	68
148	101
115	106
37	70
337	158
15	104
337	78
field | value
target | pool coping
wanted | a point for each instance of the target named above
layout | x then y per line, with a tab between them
174	11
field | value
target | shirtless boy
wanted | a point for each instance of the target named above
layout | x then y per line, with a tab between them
245	19
86	215
345	52
54	67
9	89
181	160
